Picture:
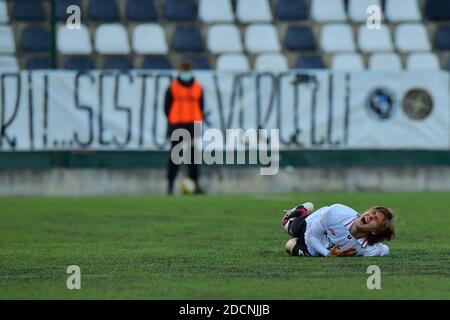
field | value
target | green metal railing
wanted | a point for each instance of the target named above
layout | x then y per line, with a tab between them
158	159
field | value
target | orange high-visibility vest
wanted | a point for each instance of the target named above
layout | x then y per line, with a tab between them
185	106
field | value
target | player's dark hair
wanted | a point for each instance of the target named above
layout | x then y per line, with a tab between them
387	232
185	66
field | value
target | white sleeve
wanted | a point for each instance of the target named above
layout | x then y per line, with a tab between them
316	230
376	250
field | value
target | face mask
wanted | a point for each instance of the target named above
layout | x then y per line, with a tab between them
186	76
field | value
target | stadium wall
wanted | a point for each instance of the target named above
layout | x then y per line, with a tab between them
140	173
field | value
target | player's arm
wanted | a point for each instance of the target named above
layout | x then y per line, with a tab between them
377	250
313	237
317	229
336	251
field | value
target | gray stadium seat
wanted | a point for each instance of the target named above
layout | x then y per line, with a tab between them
385	61
422	61
76	41
271	62
4	16
357	9
405	42
213	11
223	38
347	62
7	42
8	64
337	38
112	38
261	38
403	10
374	40
232	62
328	10
252	11
149	38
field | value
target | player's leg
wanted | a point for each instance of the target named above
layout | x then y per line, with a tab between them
193	168
296	247
172	170
296	227
289	247
294	223
301	211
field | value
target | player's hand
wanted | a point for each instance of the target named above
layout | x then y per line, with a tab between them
337	252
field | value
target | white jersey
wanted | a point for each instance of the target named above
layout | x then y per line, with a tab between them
330	226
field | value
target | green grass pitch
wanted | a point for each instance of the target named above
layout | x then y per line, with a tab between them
213	247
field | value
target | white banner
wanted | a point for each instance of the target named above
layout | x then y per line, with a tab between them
62	110
417	117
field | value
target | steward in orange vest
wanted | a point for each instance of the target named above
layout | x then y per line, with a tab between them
183	106
184	102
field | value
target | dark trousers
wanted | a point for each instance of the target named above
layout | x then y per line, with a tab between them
296	229
173	168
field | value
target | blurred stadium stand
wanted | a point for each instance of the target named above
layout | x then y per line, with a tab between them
103	11
180	10
385	62
39	63
236	62
271	62
61	8
215	11
80	63
226	34
141	11
347	61
29	11
35	39
310	62
117	63
187	39
157	62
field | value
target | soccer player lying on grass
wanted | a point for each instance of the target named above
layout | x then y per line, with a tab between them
338	231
